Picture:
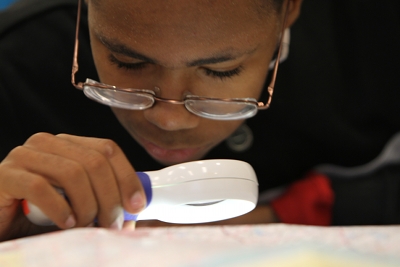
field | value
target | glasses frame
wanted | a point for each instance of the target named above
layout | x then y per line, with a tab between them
260	105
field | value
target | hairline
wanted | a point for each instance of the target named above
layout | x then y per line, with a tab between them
266	5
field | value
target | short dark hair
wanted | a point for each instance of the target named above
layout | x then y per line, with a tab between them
277	4
264	7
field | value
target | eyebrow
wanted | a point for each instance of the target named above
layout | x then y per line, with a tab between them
124	50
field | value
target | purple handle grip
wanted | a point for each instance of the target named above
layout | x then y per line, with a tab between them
146	183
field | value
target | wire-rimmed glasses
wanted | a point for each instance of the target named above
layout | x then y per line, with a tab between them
141	99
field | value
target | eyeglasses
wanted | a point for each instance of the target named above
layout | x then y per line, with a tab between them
141	99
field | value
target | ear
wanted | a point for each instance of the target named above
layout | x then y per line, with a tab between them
293	12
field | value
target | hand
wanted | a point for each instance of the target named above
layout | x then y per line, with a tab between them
94	173
260	215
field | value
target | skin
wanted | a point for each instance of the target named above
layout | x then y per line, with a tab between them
180	46
168	132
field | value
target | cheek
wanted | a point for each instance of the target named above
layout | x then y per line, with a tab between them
218	129
128	118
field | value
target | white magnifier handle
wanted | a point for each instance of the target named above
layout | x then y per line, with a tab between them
192	192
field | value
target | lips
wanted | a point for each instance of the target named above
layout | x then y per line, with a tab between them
170	156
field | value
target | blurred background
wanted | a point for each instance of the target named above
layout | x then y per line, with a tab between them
5	3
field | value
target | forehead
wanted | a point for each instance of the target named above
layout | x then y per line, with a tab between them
174	24
260	8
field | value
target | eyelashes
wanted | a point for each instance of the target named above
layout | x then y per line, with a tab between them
127	66
222	75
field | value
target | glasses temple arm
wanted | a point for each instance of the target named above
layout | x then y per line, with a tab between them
271	85
75	65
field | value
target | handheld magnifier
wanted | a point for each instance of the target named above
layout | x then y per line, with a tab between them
191	192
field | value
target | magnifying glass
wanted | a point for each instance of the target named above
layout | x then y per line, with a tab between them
191	192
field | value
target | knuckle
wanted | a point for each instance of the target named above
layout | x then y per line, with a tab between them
17	152
38	138
107	147
17	156
62	135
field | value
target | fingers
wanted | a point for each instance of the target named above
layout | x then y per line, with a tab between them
60	172
37	190
104	164
130	188
94	173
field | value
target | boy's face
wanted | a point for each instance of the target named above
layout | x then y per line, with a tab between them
208	48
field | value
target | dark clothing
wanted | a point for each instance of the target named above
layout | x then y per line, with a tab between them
336	99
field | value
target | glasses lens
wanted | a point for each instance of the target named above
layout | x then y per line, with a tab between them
119	99
221	110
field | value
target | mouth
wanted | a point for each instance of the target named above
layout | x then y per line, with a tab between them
171	156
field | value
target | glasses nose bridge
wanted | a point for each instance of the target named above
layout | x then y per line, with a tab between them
168	111
158	98
169	101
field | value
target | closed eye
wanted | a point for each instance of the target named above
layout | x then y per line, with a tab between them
127	66
209	72
223	74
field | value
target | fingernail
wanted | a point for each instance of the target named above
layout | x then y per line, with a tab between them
137	201
119	221
70	222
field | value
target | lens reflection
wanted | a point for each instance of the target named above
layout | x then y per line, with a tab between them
135	99
119	99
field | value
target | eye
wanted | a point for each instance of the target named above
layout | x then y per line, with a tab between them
125	65
223	74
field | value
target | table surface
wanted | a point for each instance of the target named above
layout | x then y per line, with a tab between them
246	245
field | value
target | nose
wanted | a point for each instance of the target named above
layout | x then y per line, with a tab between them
172	117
